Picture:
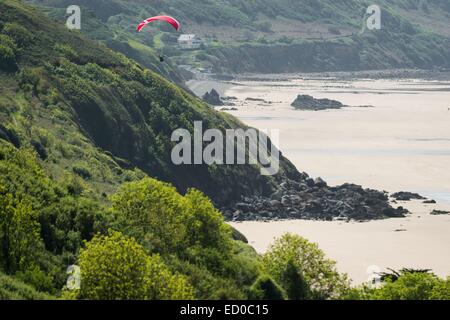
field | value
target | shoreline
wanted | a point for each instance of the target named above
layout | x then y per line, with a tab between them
410	158
417	241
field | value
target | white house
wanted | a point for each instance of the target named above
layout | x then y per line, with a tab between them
189	41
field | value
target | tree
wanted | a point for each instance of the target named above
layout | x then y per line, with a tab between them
116	267
151	212
319	273
8	50
19	233
205	223
409	286
265	288
413	285
163	285
441	291
294	283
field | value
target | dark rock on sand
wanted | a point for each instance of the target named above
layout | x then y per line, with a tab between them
310	199
305	102
213	98
309	103
407	196
258	100
439	213
430	202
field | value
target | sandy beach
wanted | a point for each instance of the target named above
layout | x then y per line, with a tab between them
401	143
418	241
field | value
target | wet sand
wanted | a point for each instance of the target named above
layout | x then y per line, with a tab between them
402	143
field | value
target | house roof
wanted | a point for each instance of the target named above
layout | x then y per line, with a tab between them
187	37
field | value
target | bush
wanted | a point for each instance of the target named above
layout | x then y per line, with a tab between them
265	288
319	273
19	233
116	267
205	223
405	286
265	26
294	283
413	286
20	34
151	212
8	51
13	289
82	171
37	278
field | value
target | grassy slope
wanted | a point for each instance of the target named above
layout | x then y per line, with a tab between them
91	111
415	32
117	39
13	289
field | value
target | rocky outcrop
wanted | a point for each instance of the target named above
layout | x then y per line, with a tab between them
213	98
309	103
305	102
315	200
407	196
439	213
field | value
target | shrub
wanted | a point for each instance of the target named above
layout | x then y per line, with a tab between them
410	286
265	288
265	26
151	212
19	33
319	273
19	233
13	289
116	267
294	283
37	278
405	286
205	223
8	51
82	171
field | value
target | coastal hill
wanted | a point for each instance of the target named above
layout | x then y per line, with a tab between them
90	112
283	36
86	178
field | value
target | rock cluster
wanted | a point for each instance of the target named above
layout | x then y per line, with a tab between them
315	200
439	213
407	196
213	98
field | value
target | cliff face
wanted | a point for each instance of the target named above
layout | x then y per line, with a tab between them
358	53
308	57
268	36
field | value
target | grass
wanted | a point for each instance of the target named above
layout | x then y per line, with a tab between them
13	289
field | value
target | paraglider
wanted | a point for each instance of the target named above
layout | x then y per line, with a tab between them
170	20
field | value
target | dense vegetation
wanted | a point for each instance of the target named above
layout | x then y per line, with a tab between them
92	112
153	243
82	130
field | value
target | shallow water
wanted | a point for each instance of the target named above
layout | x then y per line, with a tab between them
401	143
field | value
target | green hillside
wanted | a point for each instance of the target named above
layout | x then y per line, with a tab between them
81	127
287	36
84	132
92	112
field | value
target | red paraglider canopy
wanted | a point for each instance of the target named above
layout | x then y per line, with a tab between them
168	19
